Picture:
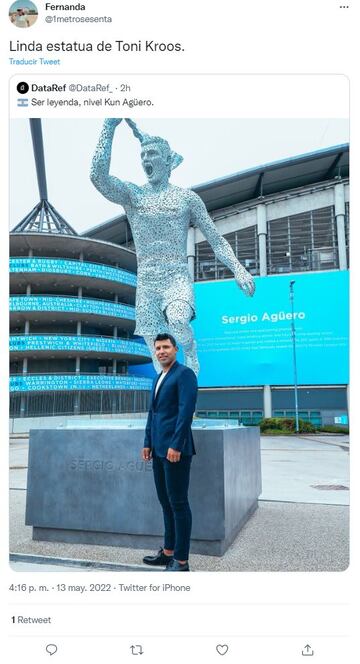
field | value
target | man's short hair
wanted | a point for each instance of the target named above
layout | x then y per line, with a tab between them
163	337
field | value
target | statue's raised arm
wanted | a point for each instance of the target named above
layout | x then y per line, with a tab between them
159	214
115	190
220	246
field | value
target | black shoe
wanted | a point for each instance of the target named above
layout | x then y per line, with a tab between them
175	566
159	559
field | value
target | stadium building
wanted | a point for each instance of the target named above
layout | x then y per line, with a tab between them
72	301
72	318
290	219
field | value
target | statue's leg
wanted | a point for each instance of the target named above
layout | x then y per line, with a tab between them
150	344
179	314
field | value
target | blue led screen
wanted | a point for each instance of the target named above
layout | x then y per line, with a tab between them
38	342
51	382
62	266
74	304
243	341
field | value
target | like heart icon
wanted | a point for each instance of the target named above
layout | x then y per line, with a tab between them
222	649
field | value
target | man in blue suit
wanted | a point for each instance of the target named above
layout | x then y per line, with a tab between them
169	443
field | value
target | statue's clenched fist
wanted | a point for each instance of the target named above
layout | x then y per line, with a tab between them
245	281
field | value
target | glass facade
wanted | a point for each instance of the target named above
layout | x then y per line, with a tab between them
303	242
245	417
245	247
313	416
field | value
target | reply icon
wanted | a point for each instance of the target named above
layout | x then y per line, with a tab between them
51	648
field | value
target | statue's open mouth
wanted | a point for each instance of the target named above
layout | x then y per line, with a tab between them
149	169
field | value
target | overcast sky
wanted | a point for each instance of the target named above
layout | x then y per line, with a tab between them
211	149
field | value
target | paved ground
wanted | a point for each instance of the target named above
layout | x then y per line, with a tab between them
292	467
296	528
34	567
279	537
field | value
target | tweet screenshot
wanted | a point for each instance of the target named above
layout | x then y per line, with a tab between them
177	194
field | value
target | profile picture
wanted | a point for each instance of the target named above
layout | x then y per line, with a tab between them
23	14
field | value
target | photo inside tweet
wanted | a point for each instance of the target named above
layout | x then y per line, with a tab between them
179	343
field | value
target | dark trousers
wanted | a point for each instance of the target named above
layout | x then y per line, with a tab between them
172	484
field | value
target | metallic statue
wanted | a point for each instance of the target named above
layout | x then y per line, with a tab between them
159	215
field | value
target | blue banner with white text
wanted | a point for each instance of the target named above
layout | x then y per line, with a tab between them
247	341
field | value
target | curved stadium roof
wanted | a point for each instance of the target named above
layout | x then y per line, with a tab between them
264	180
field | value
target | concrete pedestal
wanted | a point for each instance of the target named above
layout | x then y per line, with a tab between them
90	486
